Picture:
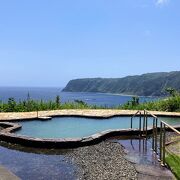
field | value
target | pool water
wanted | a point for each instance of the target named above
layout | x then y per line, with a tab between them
138	150
78	127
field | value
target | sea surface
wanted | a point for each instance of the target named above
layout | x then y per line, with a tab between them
49	93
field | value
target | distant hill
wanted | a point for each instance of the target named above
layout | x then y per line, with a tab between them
150	84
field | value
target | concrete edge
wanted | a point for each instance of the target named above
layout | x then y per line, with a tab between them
6	174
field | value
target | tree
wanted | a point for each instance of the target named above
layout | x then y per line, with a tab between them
11	104
58	101
28	102
1	106
28	97
171	91
135	100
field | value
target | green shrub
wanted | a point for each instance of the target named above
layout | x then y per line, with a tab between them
171	103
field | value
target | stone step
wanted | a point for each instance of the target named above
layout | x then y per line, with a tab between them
44	118
6	174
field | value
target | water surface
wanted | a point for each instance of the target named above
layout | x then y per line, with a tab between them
74	127
49	93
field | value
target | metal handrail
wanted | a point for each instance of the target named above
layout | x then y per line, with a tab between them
150	113
171	127
163	127
142	124
138	112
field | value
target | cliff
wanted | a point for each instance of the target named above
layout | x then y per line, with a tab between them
150	84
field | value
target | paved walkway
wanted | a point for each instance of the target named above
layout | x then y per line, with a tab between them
85	112
146	172
7	175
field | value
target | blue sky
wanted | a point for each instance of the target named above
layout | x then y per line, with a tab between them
47	43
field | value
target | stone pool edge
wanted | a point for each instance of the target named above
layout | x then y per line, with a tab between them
7	135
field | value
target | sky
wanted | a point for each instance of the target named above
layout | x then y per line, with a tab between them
49	42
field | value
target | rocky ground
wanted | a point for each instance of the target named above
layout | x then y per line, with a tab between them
103	161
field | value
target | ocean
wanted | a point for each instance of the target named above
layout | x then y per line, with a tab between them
49	93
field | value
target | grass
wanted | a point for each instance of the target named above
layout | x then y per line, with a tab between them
173	162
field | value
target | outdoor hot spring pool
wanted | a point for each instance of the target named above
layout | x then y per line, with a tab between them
78	127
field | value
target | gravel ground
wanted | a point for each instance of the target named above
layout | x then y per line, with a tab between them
103	161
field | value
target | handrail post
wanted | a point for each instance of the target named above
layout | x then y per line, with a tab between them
133	117
156	135
146	124
164	141
160	143
140	124
153	134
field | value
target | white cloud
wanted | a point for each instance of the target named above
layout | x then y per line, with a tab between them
161	2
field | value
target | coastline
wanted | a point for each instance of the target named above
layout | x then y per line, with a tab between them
115	94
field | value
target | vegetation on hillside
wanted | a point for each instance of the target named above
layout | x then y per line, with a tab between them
151	84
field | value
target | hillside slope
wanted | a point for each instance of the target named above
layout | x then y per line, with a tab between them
150	84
